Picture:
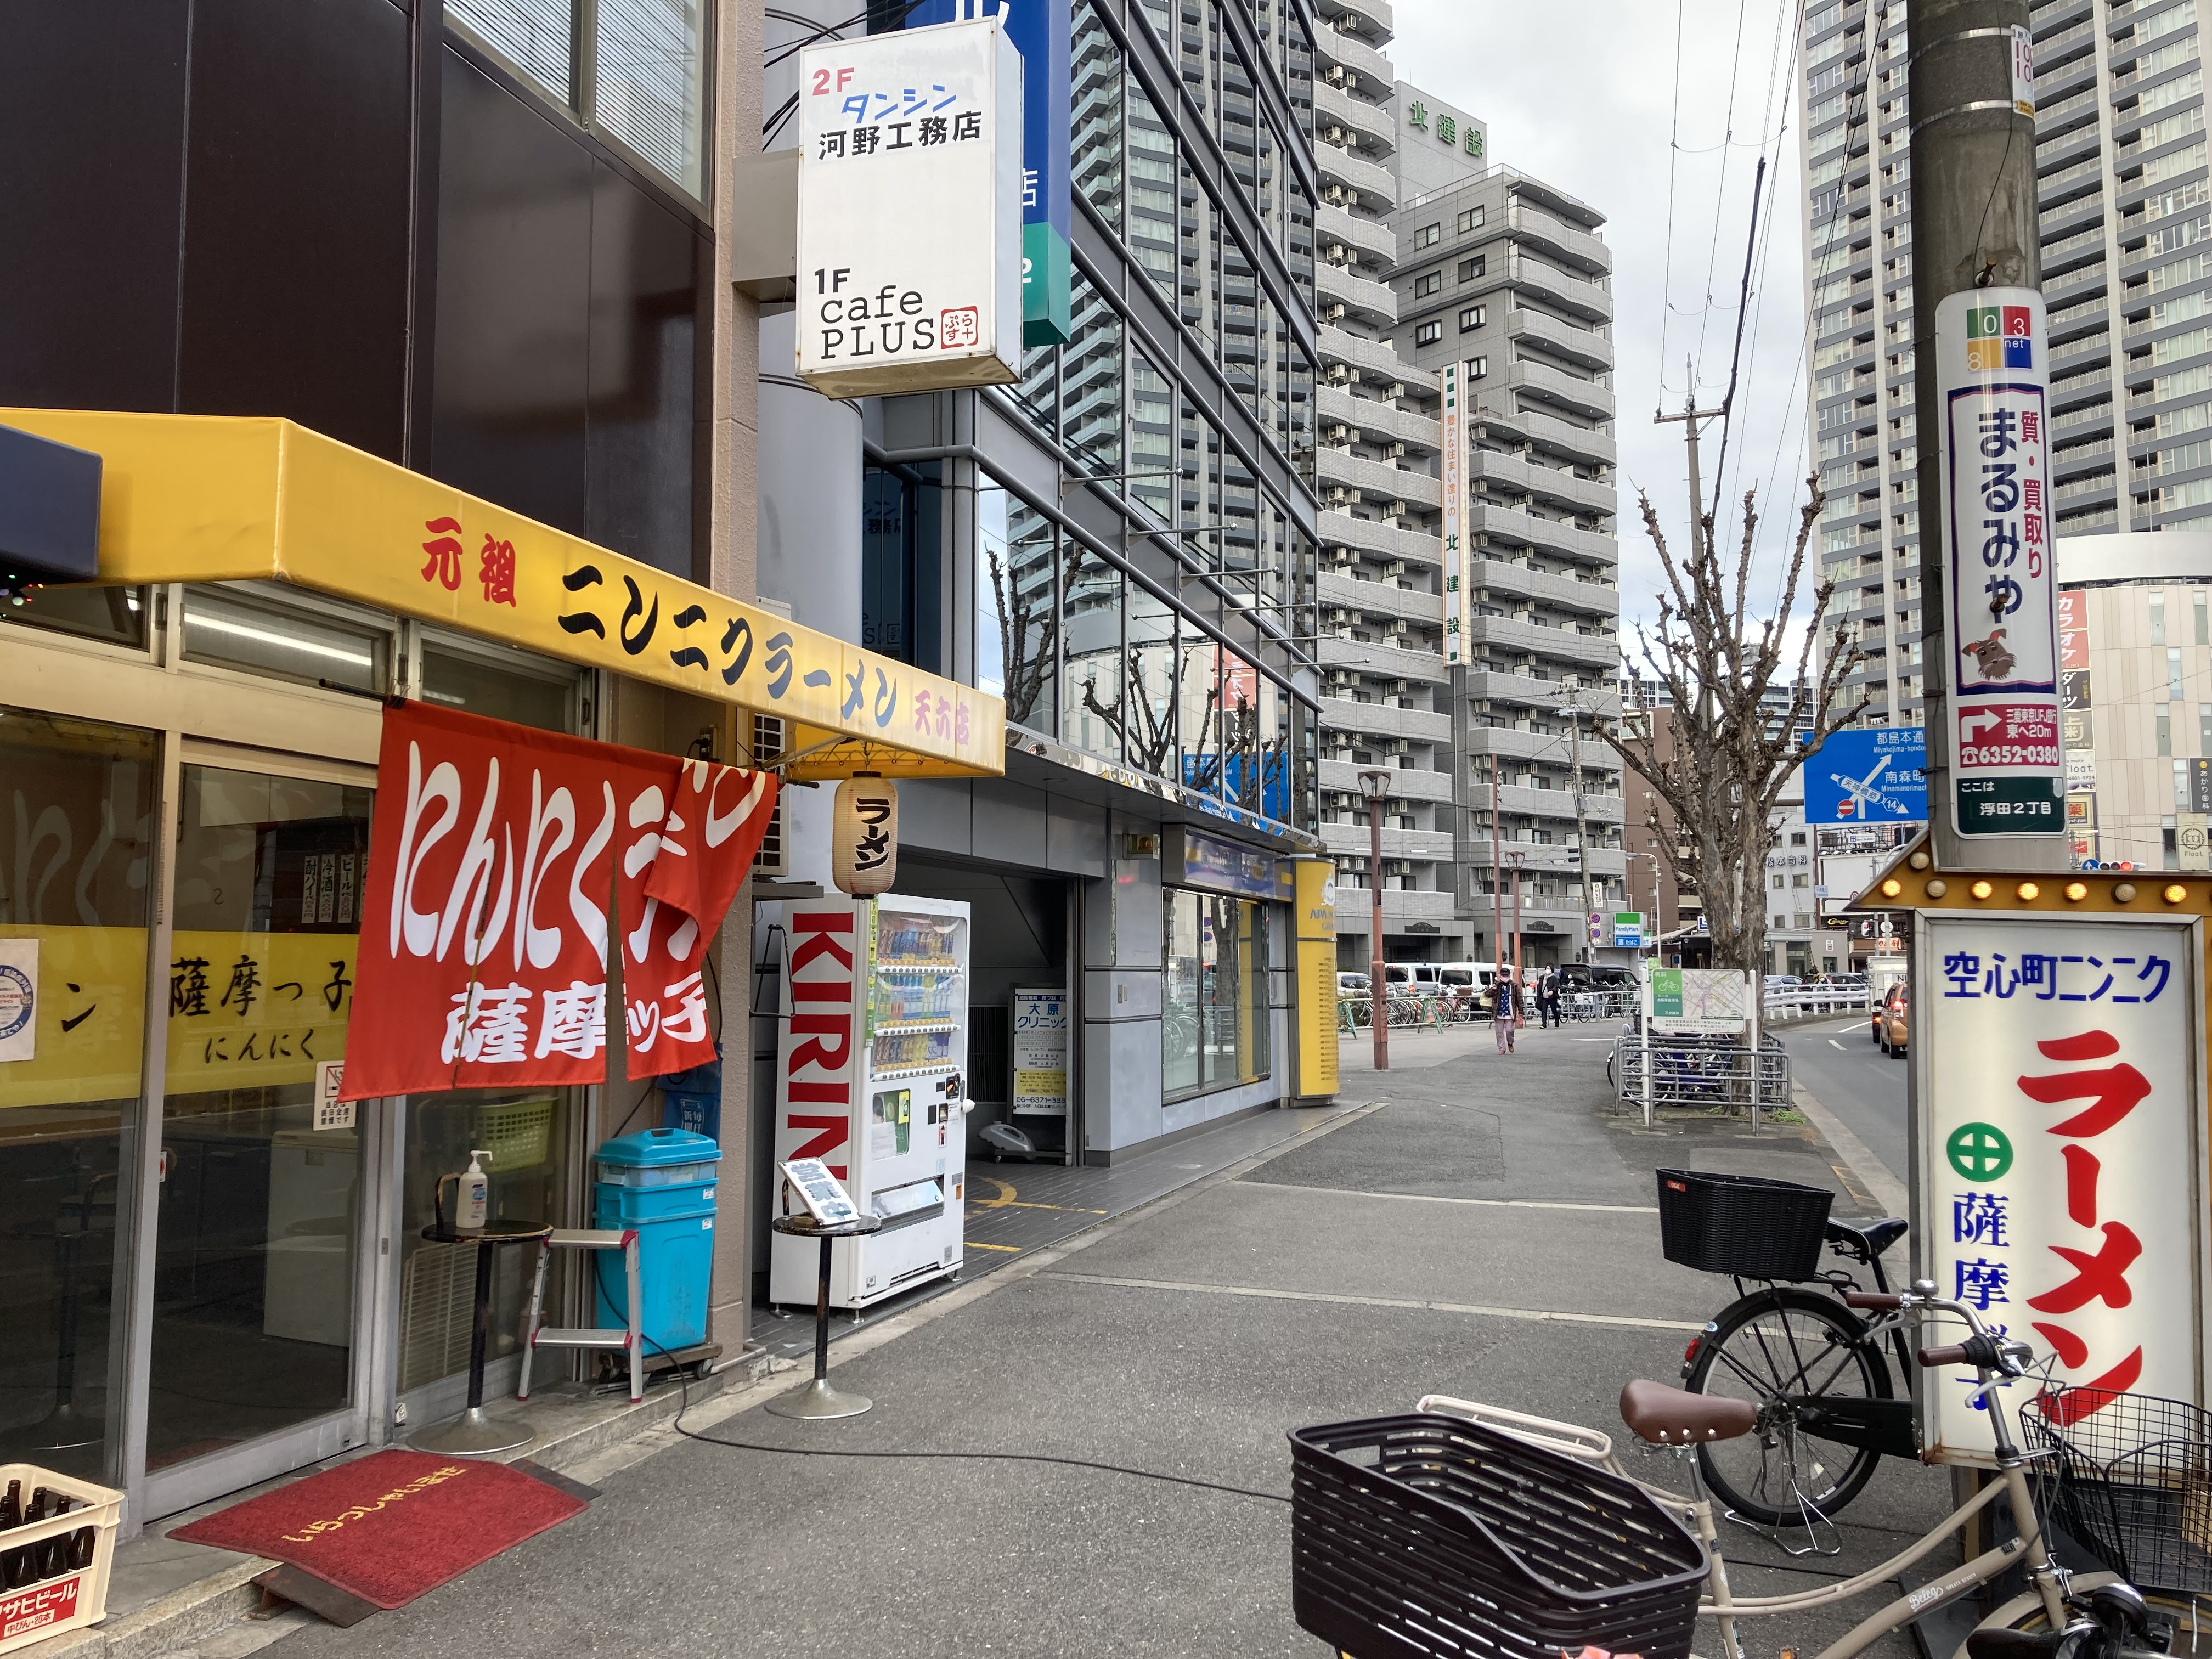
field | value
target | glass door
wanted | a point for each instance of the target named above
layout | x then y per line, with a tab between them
257	1284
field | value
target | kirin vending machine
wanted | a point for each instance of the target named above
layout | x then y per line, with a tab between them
871	1078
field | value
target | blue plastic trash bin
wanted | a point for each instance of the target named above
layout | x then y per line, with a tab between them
661	1181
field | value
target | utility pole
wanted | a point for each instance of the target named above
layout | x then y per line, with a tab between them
1375	787
1497	871
1974	230
1517	1020
1691	415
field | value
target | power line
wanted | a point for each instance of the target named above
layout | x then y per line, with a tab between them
1720	196
1674	162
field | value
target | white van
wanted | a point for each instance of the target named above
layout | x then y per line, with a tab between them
1410	976
1463	975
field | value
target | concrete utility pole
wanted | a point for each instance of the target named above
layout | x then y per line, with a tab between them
1974	226
1691	415
1573	712
1497	872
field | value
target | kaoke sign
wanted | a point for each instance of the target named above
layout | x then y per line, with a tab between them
910	210
2060	1160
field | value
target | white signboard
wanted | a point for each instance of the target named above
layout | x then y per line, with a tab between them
1696	1001
1453	386
821	1193
19	998
2023	69
2007	771
910	210
1040	1059
2059	1193
330	1112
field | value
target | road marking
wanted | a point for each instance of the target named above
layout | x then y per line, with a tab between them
1006	1192
978	1244
1412	1303
1439	1198
1832	1043
1591	1039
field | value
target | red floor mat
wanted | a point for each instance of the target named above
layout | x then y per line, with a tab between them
389	1527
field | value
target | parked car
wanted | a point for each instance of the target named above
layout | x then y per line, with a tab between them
1889	1020
1845	982
1783	981
1595	976
1351	985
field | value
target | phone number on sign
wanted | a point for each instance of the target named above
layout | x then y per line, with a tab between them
2008	754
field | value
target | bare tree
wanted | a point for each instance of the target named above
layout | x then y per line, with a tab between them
1728	756
1028	628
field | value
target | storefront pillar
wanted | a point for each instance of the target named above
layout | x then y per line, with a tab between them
1122	962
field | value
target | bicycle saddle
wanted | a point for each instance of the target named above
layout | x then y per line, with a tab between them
1871	1236
1671	1417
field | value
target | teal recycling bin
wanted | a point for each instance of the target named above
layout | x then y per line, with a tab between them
661	1182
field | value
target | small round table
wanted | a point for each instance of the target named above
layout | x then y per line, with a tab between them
475	1432
817	1399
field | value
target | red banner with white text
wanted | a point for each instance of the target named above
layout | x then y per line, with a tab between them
502	859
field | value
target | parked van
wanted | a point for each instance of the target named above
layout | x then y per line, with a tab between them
1412	976
1466	976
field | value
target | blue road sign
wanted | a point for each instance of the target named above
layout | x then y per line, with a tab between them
1873	775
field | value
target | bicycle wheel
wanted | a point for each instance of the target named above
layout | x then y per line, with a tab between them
2177	1617
1777	1348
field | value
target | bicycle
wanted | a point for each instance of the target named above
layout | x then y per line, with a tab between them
1795	1347
1447	1532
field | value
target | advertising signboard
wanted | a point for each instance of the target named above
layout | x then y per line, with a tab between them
2060	1150
1699	1001
1040	1056
1628	930
1453	389
1872	776
910	210
2008	775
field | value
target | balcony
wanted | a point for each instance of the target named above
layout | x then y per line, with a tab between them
1411	783
1382	719
1553	485
1377	360
1376	76
1558	387
1520	691
1378	421
1379	481
1556	237
1379	657
1380	598
1582	345
1570	294
1551	747
1377	189
1372	237
1511	525
1333	106
1374	537
1586	651
1579	443
1365	300
1399	907
1596	601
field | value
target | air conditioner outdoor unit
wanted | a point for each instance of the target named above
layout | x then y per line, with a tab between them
1339	373
1397	450
1337	75
1334	313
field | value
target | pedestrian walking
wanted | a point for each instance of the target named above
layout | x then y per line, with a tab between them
1507	1013
1548	997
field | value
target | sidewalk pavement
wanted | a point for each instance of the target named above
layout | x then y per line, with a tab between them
1481	1226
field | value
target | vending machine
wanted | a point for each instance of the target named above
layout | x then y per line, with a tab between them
872	1078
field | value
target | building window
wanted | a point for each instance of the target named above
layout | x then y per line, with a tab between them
1429	235
1213	1003
2164	731
2204	630
1472	317
1471	269
1477	367
2204	728
646	90
1428	283
1428	334
901	516
1470	219
1017	617
2158	619
2173	674
2181	786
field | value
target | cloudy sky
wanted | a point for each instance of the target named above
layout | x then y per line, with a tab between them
1581	93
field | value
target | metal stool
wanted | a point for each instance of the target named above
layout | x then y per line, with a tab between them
633	1338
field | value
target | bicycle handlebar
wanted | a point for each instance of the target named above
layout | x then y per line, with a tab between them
1954	1355
1886	1301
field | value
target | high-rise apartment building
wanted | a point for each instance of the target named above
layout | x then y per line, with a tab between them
1386	694
1508	278
2120	158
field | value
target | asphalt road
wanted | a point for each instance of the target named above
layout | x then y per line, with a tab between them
1837	1060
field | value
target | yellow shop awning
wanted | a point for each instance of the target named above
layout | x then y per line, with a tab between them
195	498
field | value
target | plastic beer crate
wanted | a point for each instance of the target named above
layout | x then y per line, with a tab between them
75	1597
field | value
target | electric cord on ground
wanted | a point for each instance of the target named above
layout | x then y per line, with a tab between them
683	1383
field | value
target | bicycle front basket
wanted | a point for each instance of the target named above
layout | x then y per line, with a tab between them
1747	1226
1430	1535
2130	1480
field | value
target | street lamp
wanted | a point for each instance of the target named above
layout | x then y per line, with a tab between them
1374	790
1572	713
1652	932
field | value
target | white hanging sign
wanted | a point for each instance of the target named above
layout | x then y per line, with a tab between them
19	998
863	857
910	210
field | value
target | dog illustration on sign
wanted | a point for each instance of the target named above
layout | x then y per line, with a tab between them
1990	655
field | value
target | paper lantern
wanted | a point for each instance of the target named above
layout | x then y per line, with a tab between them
865	861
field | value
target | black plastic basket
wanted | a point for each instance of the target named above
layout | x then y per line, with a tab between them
1747	1226
1428	1534
2129	1479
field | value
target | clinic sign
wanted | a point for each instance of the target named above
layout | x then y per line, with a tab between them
910	210
2059	1192
1456	574
2007	767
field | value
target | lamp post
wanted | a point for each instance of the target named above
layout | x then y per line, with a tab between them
1374	790
1516	858
1573	714
1651	933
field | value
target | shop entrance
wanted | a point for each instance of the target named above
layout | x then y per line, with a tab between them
1021	940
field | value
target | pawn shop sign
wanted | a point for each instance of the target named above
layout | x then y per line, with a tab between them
2057	1051
865	861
